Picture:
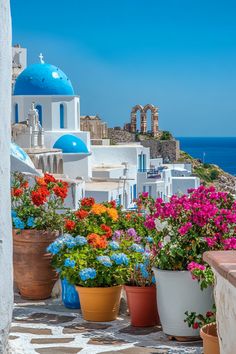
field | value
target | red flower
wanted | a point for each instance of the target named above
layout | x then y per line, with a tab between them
69	225
209	314
113	203
49	178
87	201
195	325
61	191
38	198
107	230
81	214
25	184
17	192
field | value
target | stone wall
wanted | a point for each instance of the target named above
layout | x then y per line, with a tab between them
6	278
118	135
167	149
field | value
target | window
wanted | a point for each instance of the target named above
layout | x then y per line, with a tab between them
135	191
150	190
144	189
131	194
16	113
39	108
140	163
144	163
62	116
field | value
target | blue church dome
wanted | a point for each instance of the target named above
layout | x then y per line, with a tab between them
71	144
43	79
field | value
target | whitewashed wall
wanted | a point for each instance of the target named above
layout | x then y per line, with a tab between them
225	298
6	287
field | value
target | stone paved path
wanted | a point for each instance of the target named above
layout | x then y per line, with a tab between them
47	327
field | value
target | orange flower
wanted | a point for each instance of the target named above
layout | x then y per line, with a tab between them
41	181
98	209
97	241
25	184
113	213
128	216
49	178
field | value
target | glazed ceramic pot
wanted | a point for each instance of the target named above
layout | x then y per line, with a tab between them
70	296
210	339
142	305
33	273
100	304
177	292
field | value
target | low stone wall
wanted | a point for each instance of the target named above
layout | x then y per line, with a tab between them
167	149
120	136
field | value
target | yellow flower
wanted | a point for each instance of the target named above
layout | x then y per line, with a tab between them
112	212
98	209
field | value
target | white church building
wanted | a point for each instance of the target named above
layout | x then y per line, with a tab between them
47	112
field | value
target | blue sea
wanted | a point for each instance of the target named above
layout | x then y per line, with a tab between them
219	151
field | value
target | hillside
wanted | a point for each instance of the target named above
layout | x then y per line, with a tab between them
210	174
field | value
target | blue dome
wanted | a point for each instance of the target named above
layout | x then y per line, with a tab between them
71	144
43	79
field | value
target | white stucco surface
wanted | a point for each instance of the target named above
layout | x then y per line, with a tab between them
225	298
6	288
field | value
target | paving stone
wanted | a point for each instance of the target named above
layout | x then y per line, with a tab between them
52	340
138	350
46	318
106	341
140	331
39	331
58	350
13	337
84	327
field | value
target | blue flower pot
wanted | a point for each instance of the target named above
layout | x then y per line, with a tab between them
70	296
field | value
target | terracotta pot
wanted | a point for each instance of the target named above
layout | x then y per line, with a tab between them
142	305
33	273
99	304
210	339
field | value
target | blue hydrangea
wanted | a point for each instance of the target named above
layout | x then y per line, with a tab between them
87	273
143	270
114	245
54	247
13	214
150	239
80	240
69	263
105	260
136	248
30	222
120	258
18	223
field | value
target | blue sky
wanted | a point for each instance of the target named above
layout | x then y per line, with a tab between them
177	54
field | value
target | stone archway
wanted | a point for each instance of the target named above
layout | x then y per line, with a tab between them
143	113
154	117
135	109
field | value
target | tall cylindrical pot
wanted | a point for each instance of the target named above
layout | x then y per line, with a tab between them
142	305
177	292
70	296
210	339
33	273
99	304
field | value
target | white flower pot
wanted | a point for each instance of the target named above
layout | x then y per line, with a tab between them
177	292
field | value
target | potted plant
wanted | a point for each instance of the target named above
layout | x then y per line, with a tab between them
186	227
140	288
36	223
98	270
208	329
